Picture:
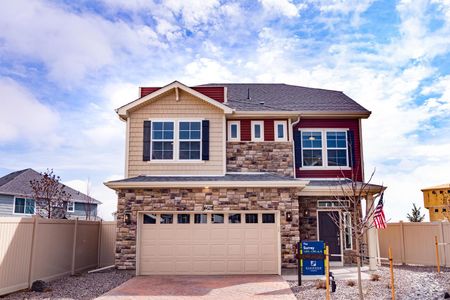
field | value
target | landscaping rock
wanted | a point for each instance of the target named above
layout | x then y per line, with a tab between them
39	286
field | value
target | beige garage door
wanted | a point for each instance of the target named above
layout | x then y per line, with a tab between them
209	243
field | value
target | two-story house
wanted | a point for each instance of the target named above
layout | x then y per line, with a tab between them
227	178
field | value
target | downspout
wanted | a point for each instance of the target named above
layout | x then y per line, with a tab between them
293	144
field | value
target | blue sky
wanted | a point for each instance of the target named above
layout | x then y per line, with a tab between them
65	66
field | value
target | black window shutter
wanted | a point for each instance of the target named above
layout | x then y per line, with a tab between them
298	148
351	147
147	140
205	140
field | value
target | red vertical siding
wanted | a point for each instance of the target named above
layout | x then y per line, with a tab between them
216	93
148	90
351	124
246	131
269	134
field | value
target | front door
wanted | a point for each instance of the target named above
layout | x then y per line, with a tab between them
329	232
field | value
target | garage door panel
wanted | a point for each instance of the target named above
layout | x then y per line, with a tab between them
206	248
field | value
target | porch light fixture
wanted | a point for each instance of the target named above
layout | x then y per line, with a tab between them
306	213
127	217
288	216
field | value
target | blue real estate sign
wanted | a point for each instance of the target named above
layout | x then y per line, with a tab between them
312	253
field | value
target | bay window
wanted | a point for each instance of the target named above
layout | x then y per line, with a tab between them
324	148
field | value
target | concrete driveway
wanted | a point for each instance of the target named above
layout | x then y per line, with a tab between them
233	287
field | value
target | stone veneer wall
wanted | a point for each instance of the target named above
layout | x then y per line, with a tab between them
308	224
179	199
276	157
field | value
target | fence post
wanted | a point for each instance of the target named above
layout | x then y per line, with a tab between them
327	272
74	246
402	243
443	243
33	251
99	244
391	268
438	261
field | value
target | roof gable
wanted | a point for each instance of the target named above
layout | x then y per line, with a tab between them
123	111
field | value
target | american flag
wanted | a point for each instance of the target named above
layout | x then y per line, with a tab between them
378	217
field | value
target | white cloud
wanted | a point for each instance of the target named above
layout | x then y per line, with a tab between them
283	7
70	45
24	117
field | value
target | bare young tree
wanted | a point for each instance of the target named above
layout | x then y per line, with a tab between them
89	203
349	198
50	195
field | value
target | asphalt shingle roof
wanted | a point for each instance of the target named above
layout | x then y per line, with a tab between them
226	177
18	183
284	97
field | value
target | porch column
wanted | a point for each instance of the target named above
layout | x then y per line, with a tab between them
372	236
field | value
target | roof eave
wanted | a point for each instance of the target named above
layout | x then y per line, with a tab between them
205	184
340	114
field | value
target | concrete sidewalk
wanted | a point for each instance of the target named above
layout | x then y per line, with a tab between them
232	287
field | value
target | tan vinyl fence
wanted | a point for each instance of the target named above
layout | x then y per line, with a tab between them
414	243
33	248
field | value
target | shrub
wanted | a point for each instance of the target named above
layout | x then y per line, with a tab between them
321	284
351	283
375	277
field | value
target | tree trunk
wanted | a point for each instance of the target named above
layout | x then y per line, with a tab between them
358	268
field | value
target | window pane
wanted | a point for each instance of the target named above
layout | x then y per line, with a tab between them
29	206
184	134
189	150
157	135
234	218
168	135
168	155
19	206
337	157
200	218
217	218
233	131
149	219
166	219
157	126
251	218
257	130
168	126
268	218
184	126
336	140
312	139
184	219
195	134
195	126
280	131
312	158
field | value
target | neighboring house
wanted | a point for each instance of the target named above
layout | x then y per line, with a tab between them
437	200
16	197
227	178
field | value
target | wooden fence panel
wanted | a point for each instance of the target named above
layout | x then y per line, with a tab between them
108	243
34	248
414	243
15	253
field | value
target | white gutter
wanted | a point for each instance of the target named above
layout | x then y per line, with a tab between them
293	144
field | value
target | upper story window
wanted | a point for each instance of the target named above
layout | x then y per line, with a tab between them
234	131
162	140
190	139
324	148
176	140
24	206
280	131
257	131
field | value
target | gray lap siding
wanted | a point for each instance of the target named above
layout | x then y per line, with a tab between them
221	199
6	205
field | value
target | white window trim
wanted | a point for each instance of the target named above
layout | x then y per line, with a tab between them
73	206
261	123
324	148
23	214
350	230
284	138
176	142
238	125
